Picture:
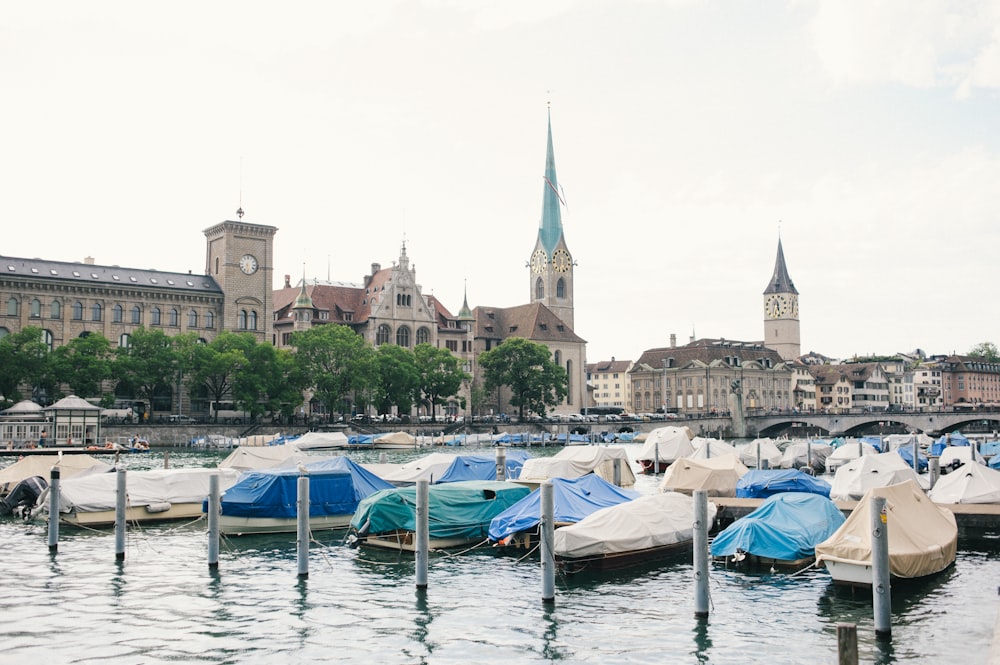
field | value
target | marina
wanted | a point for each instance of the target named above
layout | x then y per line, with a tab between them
162	603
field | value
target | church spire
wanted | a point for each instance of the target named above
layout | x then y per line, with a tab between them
550	229
465	314
780	281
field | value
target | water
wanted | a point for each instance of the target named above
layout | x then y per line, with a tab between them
163	605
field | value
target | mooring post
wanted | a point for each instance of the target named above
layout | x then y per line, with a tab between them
382	458
809	456
54	509
933	469
120	504
881	596
501	463
422	544
916	455
656	458
166	459
847	644
616	474
547	533
213	521
302	524
700	544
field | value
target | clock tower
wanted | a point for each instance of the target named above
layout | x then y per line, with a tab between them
551	265
240	257
781	311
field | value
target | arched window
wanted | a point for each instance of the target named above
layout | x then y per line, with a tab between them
47	339
403	337
12	306
423	336
55	310
192	319
539	289
95	312
78	311
136	314
241	320
117	313
35	310
252	320
154	316
123	340
3	332
217	265
209	319
560	288
383	335
174	317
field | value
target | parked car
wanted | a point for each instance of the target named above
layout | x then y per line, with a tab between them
181	419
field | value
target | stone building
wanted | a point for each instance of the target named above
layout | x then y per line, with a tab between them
781	311
969	380
609	384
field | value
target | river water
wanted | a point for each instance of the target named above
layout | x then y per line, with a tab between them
163	604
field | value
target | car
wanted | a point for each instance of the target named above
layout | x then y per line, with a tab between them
181	419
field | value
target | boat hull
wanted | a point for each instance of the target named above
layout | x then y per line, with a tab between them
405	541
619	560
134	514
239	526
860	574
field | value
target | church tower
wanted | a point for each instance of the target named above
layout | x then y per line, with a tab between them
551	264
781	311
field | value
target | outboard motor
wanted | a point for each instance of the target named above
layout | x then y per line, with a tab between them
24	495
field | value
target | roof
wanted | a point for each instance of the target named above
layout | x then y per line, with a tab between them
535	322
87	273
707	350
609	366
780	281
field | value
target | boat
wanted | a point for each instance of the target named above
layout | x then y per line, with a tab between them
706	448
265	457
759	452
644	530
429	467
717	476
766	482
953	457
266	501
31	466
576	461
483	467
22	498
459	514
923	537
667	444
848	451
859	475
970	483
573	500
322	441
806	455
160	494
782	532
396	441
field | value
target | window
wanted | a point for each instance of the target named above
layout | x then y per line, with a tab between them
117	314
210	319
55	310
78	311
95	312
35	310
174	317
539	289
252	320
192	319
47	339
136	314
383	335
423	336
154	316
241	320
403	336
123	340
560	289
12	306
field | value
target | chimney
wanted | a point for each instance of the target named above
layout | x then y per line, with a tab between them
288	281
375	268
673	341
88	260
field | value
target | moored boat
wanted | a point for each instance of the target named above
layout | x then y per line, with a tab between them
663	446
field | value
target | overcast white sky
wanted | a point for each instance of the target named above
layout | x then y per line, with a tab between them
686	134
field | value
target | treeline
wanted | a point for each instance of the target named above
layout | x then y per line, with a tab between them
332	362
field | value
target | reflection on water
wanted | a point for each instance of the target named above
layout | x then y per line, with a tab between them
163	604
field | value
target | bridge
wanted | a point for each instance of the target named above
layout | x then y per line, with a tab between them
933	423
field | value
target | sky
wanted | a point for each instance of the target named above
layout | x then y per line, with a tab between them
689	136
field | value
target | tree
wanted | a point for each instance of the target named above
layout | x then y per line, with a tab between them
337	362
84	363
23	357
987	350
439	375
147	365
216	364
269	382
535	381
398	379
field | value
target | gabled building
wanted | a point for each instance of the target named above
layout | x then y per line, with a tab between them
609	385
833	388
869	386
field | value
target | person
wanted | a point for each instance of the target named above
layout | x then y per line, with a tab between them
41	439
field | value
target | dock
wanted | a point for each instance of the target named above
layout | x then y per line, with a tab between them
56	450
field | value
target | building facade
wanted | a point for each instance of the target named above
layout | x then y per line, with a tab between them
609	384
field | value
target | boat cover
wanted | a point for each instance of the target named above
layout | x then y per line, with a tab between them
906	453
97	492
848	451
482	467
923	537
763	483
649	521
41	465
573	500
953	457
949	439
785	526
970	483
429	467
336	486
321	441
575	461
455	510
717	475
264	457
707	448
852	480
769	452
404	438
798	454
669	442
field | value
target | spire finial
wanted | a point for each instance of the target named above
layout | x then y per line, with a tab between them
239	211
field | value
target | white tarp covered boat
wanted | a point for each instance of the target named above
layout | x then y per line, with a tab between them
395	441
801	454
41	465
575	461
716	475
638	531
429	467
846	452
859	475
322	441
970	483
705	448
160	494
666	443
265	457
923	537
764	450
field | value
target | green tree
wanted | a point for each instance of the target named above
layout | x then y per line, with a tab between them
269	382
337	363
23	357
397	381
987	350
147	365
440	375
216	364
84	363
536	383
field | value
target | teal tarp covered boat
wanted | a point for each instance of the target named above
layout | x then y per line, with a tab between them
458	513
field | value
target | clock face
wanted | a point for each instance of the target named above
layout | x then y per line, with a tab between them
561	260
248	264
774	306
538	261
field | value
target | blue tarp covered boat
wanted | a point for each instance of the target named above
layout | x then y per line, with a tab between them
459	513
482	467
906	452
573	500
785	529
760	484
265	501
950	439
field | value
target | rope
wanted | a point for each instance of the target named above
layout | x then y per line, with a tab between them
447	553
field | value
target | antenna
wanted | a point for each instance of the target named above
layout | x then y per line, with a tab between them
328	267
239	211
